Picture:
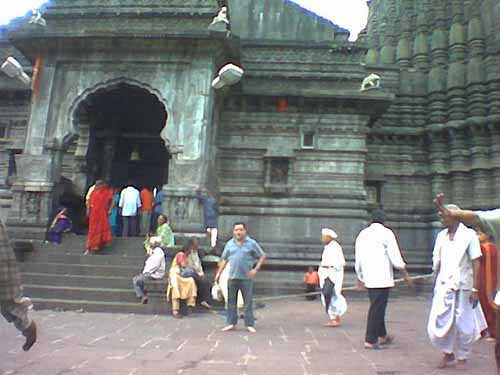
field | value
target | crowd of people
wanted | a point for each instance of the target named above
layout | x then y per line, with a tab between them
464	307
465	268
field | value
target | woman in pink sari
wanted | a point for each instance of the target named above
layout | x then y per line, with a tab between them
99	205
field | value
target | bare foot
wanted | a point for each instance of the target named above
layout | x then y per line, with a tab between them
332	323
445	360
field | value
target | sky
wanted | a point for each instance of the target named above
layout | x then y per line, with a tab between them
349	14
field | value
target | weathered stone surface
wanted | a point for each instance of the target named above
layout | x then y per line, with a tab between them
433	126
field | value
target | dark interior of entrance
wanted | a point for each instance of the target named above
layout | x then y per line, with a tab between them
124	138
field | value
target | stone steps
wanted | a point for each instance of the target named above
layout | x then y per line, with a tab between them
101	294
61	277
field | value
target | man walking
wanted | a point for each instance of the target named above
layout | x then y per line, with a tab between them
377	253
332	268
241	252
14	306
452	326
130	202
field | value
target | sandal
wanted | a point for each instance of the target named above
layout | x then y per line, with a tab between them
369	346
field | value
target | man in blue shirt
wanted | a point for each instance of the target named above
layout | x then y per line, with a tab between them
241	252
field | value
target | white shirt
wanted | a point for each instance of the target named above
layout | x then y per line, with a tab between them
333	256
332	265
155	264
454	258
376	253
130	201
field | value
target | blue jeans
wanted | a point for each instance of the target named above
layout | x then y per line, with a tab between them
246	287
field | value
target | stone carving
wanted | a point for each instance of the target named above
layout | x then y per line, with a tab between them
33	201
279	171
181	209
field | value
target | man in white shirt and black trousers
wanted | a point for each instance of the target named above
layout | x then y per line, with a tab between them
377	253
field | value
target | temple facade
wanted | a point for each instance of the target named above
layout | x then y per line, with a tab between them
122	90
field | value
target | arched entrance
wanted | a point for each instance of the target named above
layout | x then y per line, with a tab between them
121	127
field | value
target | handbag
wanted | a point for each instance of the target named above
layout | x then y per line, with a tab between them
188	272
217	292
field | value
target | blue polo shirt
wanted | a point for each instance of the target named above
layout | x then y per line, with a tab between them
242	257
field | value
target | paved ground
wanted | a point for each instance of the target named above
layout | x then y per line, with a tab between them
290	340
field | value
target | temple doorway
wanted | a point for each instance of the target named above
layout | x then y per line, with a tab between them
124	143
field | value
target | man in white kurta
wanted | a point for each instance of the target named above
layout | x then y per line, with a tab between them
489	222
453	325
332	267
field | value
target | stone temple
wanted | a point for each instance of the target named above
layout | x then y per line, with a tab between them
122	89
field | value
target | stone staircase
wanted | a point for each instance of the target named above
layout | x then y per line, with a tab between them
61	277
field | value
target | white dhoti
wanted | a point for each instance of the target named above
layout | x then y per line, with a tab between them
453	324
338	304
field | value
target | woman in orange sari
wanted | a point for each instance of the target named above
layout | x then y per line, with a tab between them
488	280
99	229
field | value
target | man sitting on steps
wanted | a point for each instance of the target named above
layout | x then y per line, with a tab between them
154	269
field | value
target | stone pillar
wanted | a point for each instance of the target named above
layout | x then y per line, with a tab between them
32	197
188	139
32	191
459	157
438	162
476	99
495	163
457	103
481	189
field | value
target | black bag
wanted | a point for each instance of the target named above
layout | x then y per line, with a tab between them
328	291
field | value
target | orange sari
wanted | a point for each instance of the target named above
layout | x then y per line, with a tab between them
488	282
99	228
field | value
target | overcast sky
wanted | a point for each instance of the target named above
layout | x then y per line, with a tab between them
349	14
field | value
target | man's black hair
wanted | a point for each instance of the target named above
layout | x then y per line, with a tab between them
378	216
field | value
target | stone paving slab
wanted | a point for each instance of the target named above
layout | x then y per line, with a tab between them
290	340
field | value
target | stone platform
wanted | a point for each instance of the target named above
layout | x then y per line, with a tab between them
290	340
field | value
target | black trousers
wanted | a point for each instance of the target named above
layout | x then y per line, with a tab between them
130	226
203	285
375	325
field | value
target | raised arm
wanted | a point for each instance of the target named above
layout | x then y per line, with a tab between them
469	218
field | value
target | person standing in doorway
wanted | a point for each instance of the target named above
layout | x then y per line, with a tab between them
13	305
241	252
130	202
210	214
146	210
376	254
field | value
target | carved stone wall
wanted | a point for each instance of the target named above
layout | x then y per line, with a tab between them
320	186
